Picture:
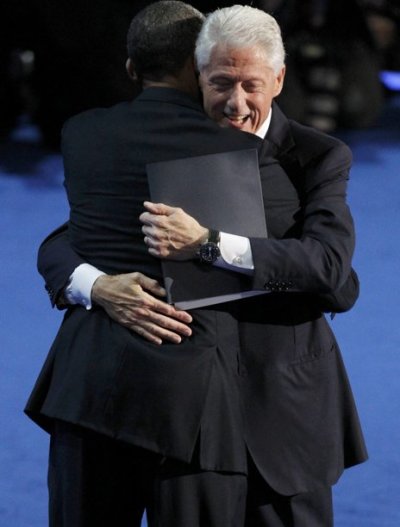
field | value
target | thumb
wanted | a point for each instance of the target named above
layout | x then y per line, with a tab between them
150	285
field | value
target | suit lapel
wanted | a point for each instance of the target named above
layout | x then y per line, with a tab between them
279	139
280	143
282	183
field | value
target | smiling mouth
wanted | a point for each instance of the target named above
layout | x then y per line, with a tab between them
237	119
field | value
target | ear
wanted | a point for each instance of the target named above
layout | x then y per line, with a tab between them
130	68
279	81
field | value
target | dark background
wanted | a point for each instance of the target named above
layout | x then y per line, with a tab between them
58	58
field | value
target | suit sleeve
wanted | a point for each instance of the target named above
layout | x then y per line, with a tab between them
318	260
57	261
344	298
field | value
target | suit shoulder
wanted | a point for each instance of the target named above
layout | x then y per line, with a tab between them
94	117
318	143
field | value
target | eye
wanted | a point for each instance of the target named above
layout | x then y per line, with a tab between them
253	87
221	84
221	87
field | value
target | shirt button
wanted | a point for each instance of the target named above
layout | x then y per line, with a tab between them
237	260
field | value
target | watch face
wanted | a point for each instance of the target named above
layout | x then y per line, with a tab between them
209	252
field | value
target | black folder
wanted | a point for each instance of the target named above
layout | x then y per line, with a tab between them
222	191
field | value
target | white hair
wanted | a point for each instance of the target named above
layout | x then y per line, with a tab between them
241	26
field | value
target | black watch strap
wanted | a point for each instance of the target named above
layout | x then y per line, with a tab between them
213	236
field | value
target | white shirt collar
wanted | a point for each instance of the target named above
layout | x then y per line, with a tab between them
262	131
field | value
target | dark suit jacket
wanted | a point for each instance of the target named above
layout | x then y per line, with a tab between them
302	424
168	399
302	427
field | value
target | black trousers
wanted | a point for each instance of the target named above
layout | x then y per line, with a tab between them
267	508
95	481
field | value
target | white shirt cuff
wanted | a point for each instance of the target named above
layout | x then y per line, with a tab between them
79	288
235	253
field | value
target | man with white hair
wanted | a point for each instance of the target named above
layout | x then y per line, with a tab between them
301	426
294	383
225	45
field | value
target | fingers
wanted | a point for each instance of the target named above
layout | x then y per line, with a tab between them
166	310
153	306
154	252
157	241
162	321
156	327
156	248
155	234
152	220
155	335
165	327
144	319
158	208
147	335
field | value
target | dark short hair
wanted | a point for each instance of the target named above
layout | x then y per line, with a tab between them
161	37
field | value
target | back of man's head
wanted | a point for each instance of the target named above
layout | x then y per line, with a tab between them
162	37
241	26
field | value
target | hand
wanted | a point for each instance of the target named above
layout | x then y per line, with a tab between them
126	301
170	232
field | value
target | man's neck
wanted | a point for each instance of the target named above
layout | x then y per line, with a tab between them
175	86
184	80
166	82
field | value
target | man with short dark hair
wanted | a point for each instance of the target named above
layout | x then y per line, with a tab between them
133	423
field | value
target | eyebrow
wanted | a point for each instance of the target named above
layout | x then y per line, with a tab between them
224	77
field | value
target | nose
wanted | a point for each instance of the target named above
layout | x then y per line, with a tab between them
236	103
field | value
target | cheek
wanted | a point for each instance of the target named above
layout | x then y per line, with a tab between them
213	102
262	106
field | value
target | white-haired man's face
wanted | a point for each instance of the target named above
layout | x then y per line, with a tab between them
238	87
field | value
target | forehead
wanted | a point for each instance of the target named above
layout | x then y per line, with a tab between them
225	59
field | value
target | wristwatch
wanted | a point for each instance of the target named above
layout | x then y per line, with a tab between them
209	250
